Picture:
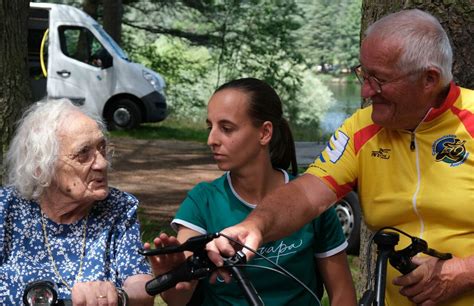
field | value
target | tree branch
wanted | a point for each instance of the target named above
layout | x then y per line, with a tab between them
194	38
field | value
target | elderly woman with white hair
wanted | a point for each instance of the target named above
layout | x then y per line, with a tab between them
59	219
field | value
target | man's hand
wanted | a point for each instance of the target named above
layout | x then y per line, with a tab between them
246	233
434	281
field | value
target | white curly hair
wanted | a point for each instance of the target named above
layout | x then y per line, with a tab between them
33	152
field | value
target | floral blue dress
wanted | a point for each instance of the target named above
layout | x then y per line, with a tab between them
112	240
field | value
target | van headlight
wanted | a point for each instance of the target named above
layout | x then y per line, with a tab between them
153	80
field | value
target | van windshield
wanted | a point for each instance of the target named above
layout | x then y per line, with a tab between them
112	42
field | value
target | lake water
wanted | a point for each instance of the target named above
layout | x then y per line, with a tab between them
347	96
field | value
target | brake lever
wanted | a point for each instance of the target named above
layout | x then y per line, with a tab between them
193	244
401	260
434	253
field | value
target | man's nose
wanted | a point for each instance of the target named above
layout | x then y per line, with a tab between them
367	90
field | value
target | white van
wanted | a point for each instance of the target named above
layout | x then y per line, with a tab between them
71	56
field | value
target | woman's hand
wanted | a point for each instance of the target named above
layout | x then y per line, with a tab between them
94	293
161	264
182	292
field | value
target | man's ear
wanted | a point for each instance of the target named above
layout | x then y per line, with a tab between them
266	132
432	78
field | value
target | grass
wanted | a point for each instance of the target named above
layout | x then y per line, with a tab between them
172	128
168	129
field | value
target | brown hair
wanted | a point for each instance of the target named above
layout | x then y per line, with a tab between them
265	105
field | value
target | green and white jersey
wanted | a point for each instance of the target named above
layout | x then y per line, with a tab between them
211	207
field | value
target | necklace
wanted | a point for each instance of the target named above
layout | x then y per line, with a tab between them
50	254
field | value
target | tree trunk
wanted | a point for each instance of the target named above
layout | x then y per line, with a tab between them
112	20
14	85
457	19
91	8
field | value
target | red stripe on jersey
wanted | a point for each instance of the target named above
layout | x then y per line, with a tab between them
454	92
341	190
362	136
466	117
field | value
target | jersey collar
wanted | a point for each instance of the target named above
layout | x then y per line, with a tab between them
452	96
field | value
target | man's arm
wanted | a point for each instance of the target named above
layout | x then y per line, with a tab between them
281	213
291	206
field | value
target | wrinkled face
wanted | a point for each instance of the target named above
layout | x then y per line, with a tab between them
81	170
401	104
233	139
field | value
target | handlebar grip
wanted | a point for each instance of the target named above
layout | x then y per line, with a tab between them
161	251
195	267
169	280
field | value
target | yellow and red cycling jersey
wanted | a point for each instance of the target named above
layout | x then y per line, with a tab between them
421	182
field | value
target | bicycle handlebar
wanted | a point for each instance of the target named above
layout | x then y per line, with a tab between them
194	268
193	244
198	266
400	260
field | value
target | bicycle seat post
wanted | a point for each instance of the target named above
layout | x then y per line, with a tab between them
386	242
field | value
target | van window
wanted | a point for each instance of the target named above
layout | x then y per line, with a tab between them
111	42
80	44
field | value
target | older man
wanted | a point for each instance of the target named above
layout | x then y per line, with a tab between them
410	155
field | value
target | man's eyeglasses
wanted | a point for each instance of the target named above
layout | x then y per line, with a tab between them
88	155
375	83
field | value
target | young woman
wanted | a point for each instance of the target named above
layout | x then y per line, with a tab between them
252	142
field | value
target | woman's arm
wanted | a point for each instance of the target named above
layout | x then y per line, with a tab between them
337	279
134	286
181	294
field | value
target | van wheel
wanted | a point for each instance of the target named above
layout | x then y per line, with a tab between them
349	214
123	115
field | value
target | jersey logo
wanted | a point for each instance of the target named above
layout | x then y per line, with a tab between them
336	146
450	149
381	153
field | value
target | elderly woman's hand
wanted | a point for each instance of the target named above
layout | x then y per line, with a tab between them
164	263
94	293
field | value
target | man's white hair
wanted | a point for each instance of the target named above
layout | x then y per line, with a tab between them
423	40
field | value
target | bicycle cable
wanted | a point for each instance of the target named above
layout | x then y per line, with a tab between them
282	270
369	253
261	267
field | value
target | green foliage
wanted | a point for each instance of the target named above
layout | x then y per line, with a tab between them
273	40
316	100
244	38
331	35
258	39
185	70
